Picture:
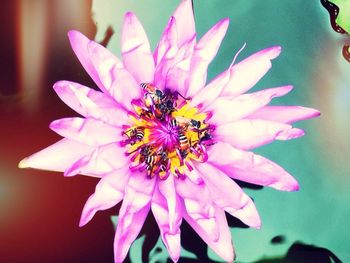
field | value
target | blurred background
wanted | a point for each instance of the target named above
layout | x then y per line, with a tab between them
40	210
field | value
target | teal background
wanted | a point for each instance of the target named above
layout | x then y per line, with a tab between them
311	61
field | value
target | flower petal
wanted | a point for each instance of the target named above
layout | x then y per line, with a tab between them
124	87
248	134
198	207
90	103
223	246
87	130
119	83
136	51
133	213
204	52
167	42
178	73
285	114
165	54
243	105
245	74
86	49
229	196
185	21
109	192
170	237
103	160
57	157
250	167
167	189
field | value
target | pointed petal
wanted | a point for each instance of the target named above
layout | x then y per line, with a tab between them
167	42
178	73
82	47
170	237
284	114
198	206
204	52
109	192
226	110
87	130
250	167
119	83
57	157
90	103
229	196
167	189
103	160
185	21
104	62
223	246
165	54
124	87
136	51
248	134
133	213
249	71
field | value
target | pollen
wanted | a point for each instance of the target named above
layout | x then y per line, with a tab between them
166	133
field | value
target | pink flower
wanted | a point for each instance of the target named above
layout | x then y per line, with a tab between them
161	139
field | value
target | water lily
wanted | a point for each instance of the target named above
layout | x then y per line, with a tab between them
161	139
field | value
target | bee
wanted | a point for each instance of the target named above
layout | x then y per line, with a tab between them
135	135
184	145
207	138
153	95
185	122
156	162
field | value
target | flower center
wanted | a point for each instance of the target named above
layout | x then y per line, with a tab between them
166	134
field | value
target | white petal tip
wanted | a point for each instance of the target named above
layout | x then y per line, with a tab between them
273	52
288	187
82	223
69	174
73	34
23	163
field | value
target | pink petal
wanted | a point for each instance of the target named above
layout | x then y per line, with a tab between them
249	134
249	71
204	53
103	160
103	61
285	114
178	73
170	237
229	196
185	21
136	51
133	213
211	92
87	130
167	189
167	42
194	176
124	87
119	83
57	157
223	246
90	103
198	206
165	54
82	47
243	105
109	192
251	168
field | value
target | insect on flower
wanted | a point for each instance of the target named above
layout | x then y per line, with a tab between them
162	139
